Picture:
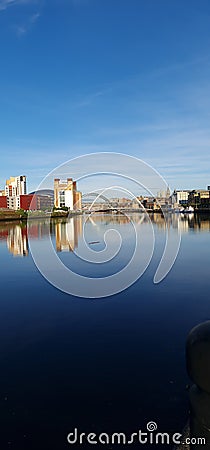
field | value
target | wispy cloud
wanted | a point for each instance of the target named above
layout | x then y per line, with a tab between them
34	17
22	28
89	99
4	4
25	28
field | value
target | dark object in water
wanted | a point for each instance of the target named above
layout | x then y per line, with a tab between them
94	242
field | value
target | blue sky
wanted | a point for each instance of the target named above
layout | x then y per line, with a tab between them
83	76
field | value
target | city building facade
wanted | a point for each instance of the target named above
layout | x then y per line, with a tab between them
200	199
3	201
66	194
15	187
180	197
77	200
15	197
63	193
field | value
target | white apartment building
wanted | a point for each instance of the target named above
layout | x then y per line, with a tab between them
13	202
15	187
180	197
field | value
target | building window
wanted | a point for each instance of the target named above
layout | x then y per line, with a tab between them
62	199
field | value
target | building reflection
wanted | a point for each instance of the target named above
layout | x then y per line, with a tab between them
17	241
107	218
16	235
184	222
67	233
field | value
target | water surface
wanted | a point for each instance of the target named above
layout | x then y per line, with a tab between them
110	364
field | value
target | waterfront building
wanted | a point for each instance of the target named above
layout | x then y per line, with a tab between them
44	199
27	202
35	202
44	202
180	197
13	202
66	194
3	201
15	197
16	186
78	200
63	193
200	199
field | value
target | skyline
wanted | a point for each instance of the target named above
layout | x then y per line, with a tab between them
73	82
129	176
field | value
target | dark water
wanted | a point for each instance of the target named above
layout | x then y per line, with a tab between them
110	364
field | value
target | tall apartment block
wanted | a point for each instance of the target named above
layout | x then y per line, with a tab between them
66	194
15	187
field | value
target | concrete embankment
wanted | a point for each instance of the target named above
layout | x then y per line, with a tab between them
8	215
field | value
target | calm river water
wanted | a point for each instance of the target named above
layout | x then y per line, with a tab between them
108	364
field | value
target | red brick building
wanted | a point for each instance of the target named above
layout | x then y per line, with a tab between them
28	201
35	202
3	202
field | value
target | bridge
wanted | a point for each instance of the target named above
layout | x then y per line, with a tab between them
92	202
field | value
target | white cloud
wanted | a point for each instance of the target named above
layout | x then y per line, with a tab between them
4	4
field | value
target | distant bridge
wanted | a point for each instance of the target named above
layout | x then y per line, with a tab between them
95	205
107	206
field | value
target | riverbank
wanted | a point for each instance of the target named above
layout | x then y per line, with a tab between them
10	215
6	215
